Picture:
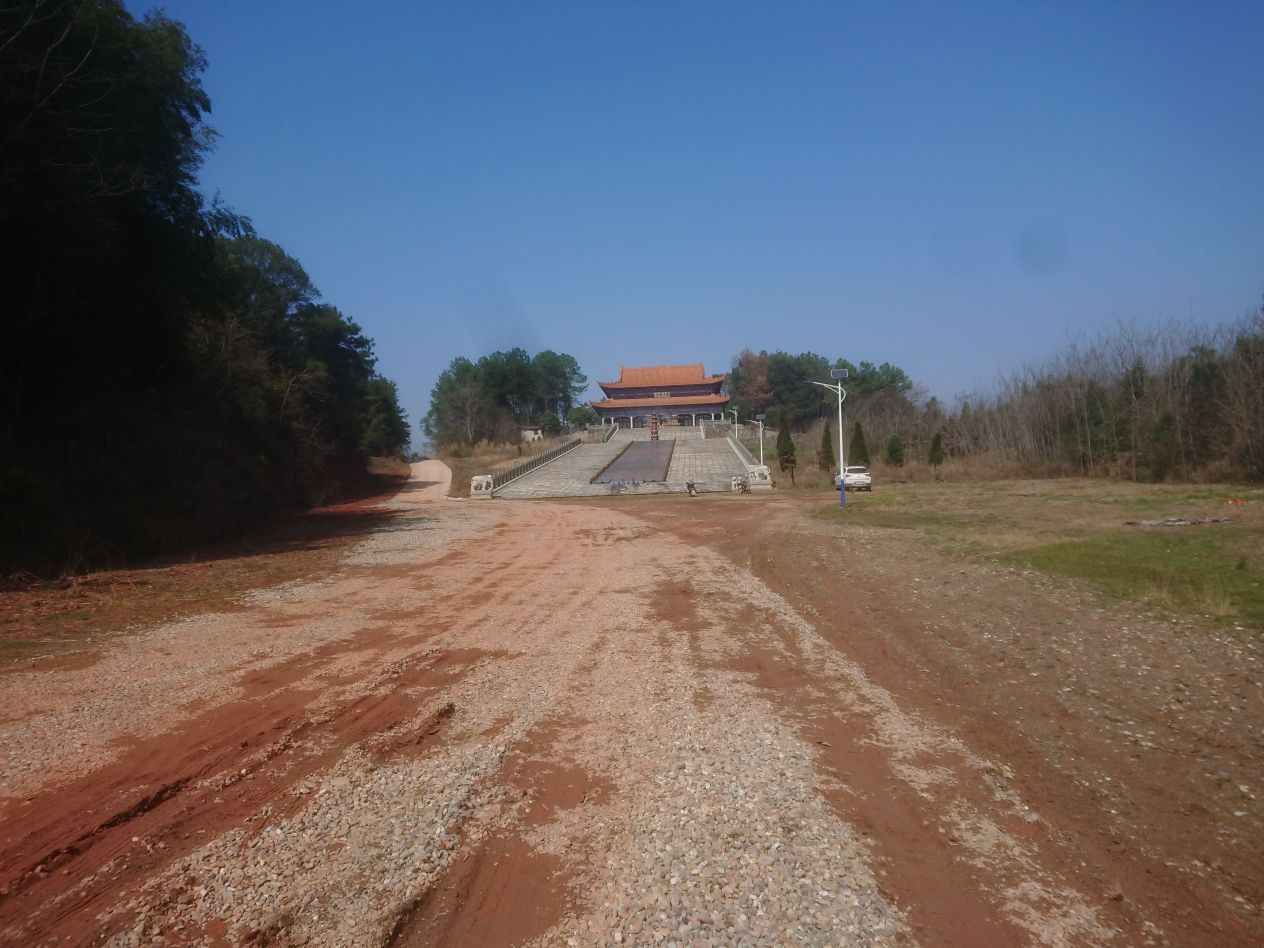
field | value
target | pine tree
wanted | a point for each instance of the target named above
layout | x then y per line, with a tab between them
895	451
785	451
825	453
858	451
936	456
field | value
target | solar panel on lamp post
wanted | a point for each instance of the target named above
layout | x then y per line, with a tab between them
838	375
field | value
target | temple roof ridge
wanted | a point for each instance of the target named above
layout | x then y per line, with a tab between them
693	373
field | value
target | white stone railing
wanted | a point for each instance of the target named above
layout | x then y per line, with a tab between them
526	467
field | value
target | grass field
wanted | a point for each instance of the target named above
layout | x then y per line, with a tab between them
1081	529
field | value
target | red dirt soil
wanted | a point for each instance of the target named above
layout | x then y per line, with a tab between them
428	663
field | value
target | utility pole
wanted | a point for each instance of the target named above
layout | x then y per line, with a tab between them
838	375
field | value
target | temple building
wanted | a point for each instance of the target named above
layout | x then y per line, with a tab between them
678	394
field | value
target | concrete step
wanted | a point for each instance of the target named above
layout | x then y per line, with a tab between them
568	475
664	434
711	464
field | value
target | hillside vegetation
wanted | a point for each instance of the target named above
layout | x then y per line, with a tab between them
166	376
490	400
1173	403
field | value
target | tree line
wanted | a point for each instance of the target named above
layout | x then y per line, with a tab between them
494	398
1171	402
167	376
776	384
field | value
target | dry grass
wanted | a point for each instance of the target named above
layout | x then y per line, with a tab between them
1083	529
809	476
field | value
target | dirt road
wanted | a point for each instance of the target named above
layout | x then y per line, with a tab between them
714	721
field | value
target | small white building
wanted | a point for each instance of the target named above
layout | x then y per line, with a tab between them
531	434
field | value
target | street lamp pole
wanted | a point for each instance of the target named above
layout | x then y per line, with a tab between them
759	419
734	411
839	375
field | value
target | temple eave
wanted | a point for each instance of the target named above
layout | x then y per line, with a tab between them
701	402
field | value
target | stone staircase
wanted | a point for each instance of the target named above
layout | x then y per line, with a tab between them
711	464
665	433
570	475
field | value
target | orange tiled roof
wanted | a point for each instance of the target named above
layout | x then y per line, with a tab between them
653	375
675	400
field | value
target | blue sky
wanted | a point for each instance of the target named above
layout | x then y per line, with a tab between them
953	188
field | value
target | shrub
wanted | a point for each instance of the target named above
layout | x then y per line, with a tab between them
895	451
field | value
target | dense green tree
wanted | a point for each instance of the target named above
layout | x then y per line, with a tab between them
558	381
858	450
146	331
101	119
582	415
776	384
489	400
825	453
936	453
1162	447
550	424
786	451
509	381
866	378
799	404
1204	400
461	407
302	371
895	451
384	431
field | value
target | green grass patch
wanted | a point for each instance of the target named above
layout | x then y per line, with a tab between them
905	519
1076	528
892	512
1203	575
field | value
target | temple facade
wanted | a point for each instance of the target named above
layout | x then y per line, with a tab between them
677	394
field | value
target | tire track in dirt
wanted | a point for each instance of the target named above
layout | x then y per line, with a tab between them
580	721
1134	882
217	771
70	849
460	618
502	890
942	896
